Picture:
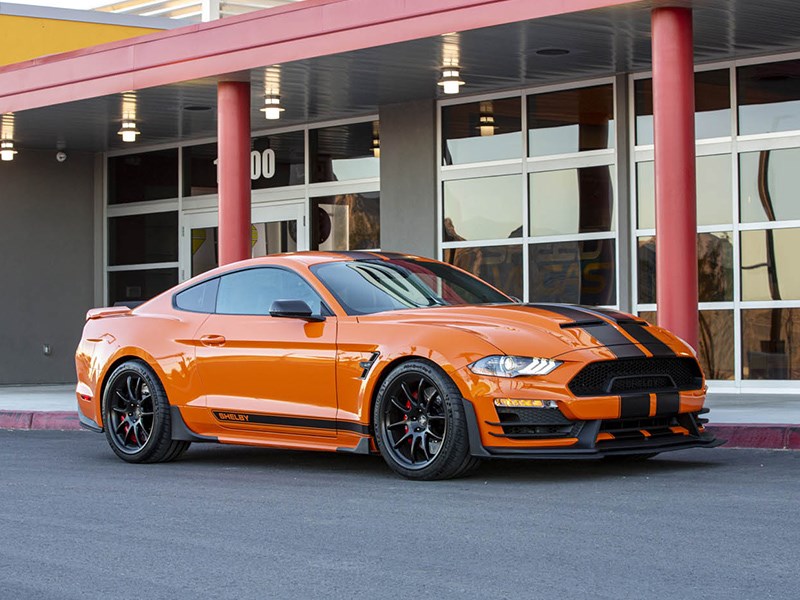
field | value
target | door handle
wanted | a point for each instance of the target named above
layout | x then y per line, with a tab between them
212	340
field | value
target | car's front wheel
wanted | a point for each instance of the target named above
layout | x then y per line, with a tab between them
137	417
420	427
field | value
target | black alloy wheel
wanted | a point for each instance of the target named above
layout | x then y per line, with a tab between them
420	428
132	414
136	416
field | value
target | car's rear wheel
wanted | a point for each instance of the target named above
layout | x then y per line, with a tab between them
137	417
420	427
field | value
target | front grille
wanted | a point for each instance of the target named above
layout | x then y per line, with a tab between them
637	375
532	423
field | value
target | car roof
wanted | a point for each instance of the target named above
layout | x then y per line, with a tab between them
313	257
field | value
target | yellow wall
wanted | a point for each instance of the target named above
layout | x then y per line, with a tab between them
28	37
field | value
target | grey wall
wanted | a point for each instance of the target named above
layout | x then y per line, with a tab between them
46	263
408	177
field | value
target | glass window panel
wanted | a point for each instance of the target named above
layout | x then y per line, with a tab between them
576	272
200	170
199	298
138	239
483	209
346	222
769	267
571	121
265	238
714	193
771	343
253	291
281	158
715	336
572	201
500	266
137	286
769	97
343	152
714	267
482	131
712	101
768	185
141	177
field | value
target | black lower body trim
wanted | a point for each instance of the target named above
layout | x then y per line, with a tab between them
87	423
181	432
609	448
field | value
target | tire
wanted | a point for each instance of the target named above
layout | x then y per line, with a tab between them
137	417
422	439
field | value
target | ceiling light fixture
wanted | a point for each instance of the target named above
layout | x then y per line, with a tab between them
7	151
486	124
128	131
450	80
376	139
273	108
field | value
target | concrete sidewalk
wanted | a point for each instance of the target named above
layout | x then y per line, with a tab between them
745	420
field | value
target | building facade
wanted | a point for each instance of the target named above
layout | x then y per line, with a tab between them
539	175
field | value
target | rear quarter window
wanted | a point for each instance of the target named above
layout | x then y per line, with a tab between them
200	298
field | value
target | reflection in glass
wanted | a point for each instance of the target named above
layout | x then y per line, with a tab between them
138	239
265	238
572	201
137	286
769	97
141	177
712	101
768	184
715	335
501	266
576	272
482	209
769	264
713	191
481	131
346	222
343	152
714	267
571	121
771	343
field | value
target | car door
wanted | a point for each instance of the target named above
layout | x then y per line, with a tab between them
263	372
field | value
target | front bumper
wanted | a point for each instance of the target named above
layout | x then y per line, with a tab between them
589	442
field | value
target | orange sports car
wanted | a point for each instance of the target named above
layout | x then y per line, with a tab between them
378	352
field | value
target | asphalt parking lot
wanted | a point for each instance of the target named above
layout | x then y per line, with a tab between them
237	522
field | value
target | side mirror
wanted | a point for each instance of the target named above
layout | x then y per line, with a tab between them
293	309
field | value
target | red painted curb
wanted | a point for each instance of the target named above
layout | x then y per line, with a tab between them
67	420
753	435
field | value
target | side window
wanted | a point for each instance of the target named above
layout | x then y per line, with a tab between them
253	291
199	298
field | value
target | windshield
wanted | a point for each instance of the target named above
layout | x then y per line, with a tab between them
364	287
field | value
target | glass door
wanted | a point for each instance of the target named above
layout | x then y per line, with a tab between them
276	228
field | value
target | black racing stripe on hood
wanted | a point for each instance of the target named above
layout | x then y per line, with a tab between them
604	332
638	331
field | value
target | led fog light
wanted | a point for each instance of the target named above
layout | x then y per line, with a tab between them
522	403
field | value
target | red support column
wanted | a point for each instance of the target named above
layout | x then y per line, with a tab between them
676	213
233	168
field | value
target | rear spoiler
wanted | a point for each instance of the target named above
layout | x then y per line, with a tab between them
108	311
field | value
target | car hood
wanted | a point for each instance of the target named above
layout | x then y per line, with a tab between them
544	330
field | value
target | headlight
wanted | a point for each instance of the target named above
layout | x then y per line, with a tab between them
513	366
